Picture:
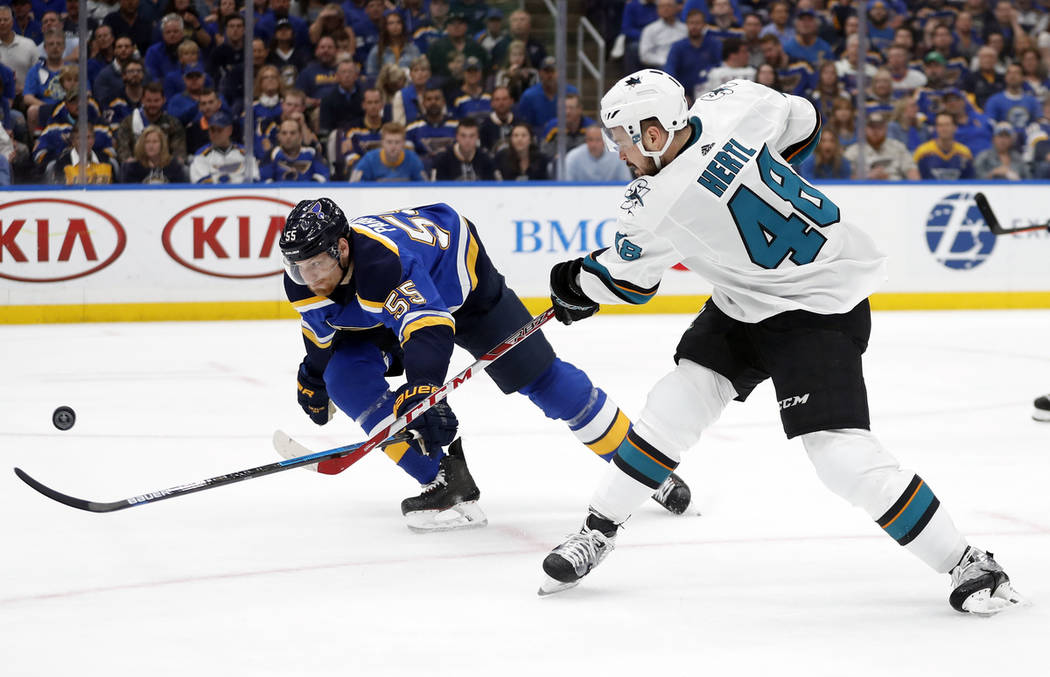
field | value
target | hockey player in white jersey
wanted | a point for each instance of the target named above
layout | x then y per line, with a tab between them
715	191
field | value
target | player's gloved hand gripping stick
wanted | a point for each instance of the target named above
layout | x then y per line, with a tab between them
347	455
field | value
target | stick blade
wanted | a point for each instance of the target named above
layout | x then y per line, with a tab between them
71	501
986	211
288	448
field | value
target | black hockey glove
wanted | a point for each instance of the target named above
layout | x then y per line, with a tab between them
570	303
313	397
436	425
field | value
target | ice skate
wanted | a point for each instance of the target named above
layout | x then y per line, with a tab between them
980	586
674	495
1041	412
574	559
450	501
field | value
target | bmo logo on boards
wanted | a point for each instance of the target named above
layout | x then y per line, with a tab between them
234	237
53	240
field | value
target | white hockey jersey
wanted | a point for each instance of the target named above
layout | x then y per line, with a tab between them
731	209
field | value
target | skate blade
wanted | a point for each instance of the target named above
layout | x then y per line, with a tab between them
553	587
981	603
467	515
1041	416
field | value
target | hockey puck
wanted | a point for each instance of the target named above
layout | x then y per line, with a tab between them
64	418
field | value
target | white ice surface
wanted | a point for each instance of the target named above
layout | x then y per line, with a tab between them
303	574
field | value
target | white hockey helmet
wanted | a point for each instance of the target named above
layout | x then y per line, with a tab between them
648	93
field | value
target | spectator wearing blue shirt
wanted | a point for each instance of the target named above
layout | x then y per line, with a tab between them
779	23
806	46
163	57
472	100
183	105
691	57
591	161
1012	104
291	160
826	162
279	12
318	78
943	158
637	14
880	30
391	161
25	23
435	131
394	46
539	102
42	86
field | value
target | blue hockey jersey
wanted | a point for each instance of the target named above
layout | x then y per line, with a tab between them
411	270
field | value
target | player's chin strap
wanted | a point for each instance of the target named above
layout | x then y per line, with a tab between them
657	155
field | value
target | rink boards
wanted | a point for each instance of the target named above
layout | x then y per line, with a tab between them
110	254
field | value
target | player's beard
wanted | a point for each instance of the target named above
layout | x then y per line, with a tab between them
648	168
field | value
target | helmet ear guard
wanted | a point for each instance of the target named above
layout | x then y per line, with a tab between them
644	95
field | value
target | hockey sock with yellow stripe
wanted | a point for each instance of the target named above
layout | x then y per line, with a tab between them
601	426
409	457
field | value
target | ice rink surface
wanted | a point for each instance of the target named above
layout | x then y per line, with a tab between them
303	574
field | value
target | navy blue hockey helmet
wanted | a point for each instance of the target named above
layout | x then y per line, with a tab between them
313	227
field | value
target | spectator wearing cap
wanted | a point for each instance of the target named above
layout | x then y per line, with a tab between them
208	104
1013	105
406	105
905	78
735	65
290	160
391	161
448	54
341	107
1001	161
935	67
152	162
886	159
472	100
150	112
538	103
162	57
183	106
120	106
266	26
656	39
943	158
521	29
806	45
130	22
973	129
492	33
695	54
347	145
575	122
222	160
465	160
394	46
476	11
435	130
779	22
591	161
318	78
285	54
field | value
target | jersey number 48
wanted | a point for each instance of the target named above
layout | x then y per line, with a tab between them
768	235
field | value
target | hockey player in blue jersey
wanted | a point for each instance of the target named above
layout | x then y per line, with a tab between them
390	293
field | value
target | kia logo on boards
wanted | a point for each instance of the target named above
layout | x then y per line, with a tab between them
53	240
233	237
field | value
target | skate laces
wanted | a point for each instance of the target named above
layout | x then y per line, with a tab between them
583	547
665	489
436	483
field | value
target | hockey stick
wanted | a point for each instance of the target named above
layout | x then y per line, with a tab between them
993	222
389	435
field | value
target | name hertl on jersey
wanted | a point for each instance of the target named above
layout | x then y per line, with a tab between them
731	209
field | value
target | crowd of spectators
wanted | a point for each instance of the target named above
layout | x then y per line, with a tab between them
421	90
